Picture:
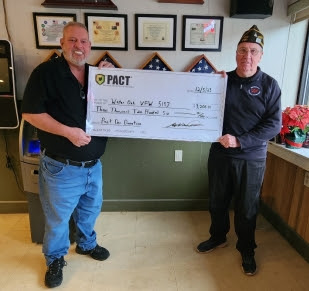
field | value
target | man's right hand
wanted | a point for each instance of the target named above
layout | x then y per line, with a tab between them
78	137
45	122
223	73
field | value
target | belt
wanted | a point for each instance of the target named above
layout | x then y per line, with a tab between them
86	164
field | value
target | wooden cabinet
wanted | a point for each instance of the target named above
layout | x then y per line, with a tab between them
283	189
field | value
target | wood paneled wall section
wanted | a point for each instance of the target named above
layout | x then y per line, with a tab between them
285	193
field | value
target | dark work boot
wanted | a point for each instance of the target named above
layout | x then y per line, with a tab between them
53	276
98	253
248	264
209	245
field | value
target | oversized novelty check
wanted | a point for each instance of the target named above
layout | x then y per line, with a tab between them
155	104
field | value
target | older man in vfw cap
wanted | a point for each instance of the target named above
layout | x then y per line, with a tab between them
236	162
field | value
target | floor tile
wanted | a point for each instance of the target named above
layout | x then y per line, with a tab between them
153	251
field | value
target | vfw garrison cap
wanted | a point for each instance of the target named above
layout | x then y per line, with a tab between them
253	35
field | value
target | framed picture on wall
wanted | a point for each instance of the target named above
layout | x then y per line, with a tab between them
202	33
48	28
82	4
107	31
183	1
155	32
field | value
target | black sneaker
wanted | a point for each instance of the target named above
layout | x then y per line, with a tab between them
53	276
97	253
209	245
248	264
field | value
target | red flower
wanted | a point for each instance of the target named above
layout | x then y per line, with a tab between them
295	118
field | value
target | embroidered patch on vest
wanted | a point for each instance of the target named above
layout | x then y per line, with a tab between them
254	90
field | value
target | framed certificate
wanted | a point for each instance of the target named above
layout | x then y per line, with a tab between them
155	32
48	28
202	33
107	31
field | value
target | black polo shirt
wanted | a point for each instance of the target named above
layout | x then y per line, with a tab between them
53	89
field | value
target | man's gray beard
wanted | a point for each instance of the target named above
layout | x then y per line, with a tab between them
70	59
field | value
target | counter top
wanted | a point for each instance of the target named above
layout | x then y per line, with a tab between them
298	157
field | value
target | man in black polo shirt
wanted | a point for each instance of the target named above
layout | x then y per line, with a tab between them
70	172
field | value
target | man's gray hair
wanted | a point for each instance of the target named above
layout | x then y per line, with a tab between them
74	23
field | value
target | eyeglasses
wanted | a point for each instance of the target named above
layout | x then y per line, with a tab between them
243	51
81	92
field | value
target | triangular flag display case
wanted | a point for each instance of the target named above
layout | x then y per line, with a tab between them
156	63
107	57
201	64
53	55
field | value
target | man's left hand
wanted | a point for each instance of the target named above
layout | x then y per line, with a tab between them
105	64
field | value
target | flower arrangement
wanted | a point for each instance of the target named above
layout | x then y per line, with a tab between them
295	119
295	125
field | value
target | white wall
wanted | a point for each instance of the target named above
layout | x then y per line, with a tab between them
284	43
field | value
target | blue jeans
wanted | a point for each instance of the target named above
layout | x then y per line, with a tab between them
67	190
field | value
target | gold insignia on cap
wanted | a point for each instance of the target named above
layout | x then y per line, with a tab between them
253	35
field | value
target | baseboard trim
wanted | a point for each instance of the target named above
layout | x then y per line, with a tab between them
125	205
13	206
297	242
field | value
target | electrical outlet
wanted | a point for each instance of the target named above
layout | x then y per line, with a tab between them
306	180
178	155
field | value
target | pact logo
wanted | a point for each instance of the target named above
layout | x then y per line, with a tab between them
112	79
